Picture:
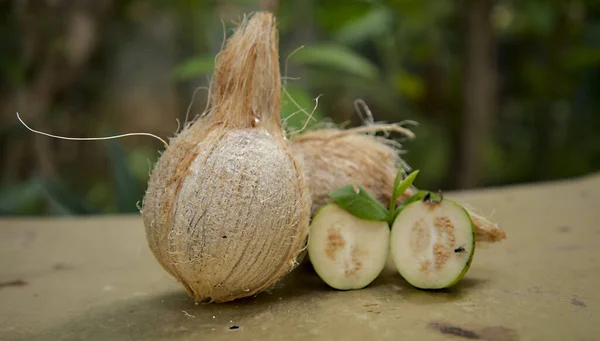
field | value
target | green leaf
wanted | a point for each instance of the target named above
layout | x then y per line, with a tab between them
336	57
400	186
359	203
194	67
370	25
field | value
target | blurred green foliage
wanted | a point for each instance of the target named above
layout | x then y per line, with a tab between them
404	58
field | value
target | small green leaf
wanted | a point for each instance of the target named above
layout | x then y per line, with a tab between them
397	181
359	203
405	184
399	188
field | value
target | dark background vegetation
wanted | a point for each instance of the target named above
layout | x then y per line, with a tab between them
505	91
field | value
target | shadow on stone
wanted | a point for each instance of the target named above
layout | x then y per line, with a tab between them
174	315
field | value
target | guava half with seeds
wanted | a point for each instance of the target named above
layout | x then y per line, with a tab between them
432	243
347	252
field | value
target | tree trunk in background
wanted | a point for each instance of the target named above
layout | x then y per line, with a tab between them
479	93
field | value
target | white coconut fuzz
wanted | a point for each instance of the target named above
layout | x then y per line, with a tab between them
432	243
345	251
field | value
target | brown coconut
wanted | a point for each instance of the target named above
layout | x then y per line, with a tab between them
227	210
335	157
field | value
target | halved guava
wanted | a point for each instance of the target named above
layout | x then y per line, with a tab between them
347	252
432	243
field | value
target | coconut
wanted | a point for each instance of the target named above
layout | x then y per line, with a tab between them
226	210
335	157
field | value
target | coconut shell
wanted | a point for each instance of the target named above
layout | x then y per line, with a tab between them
226	210
334	158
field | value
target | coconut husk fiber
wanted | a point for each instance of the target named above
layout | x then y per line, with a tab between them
226	210
336	157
